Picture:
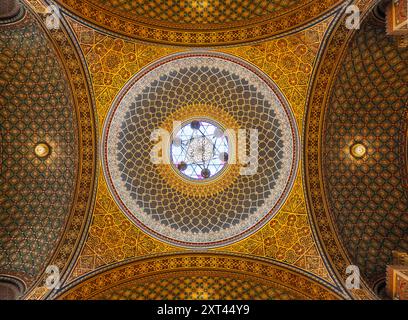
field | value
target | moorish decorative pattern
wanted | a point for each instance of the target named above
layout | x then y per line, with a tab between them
128	280
199	13
112	62
292	78
368	198
206	79
80	79
76	219
112	237
321	204
127	18
36	106
199	285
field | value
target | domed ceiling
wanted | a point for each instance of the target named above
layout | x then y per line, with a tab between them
39	191
207	211
137	164
36	200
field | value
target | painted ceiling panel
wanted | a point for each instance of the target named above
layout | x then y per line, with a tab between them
200	13
199	276
36	106
368	197
94	87
355	163
288	237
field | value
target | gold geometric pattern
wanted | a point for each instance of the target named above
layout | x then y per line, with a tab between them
112	62
199	80
36	192
112	237
80	212
289	62
247	30
333	81
199	12
318	212
287	237
199	285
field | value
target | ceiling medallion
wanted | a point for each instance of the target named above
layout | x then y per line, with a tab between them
358	150
42	150
200	149
210	139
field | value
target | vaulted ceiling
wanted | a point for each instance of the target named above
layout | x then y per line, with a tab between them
368	198
44	200
37	106
92	80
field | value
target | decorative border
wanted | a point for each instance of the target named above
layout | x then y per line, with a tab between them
232	274
291	123
133	270
181	34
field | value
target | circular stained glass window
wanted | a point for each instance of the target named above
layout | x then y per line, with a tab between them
199	149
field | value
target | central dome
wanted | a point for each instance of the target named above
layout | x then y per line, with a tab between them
200	149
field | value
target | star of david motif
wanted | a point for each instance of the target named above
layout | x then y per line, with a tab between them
199	150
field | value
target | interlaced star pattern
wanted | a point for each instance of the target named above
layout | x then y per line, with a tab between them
199	150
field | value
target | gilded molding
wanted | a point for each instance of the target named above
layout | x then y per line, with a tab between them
179	34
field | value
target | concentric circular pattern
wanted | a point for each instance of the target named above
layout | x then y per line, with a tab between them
200	285
366	195
156	94
199	149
